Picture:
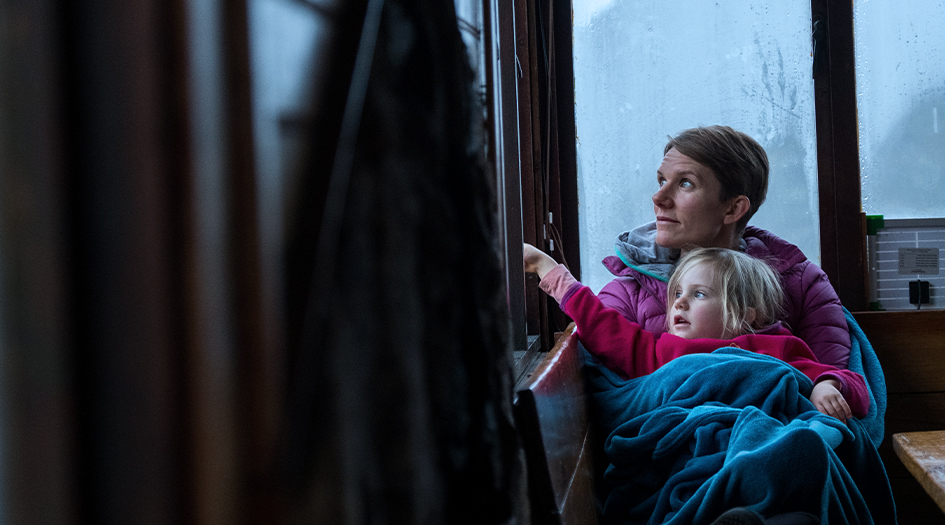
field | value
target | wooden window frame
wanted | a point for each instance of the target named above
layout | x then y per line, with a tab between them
842	222
530	108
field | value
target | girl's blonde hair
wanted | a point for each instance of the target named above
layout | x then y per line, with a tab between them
744	283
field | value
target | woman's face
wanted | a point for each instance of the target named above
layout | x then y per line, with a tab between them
687	205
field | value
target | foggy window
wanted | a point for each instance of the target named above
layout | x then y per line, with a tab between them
900	77
643	72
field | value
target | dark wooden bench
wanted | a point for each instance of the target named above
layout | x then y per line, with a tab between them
911	348
552	416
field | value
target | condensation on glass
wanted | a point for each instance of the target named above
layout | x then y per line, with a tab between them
643	72
900	78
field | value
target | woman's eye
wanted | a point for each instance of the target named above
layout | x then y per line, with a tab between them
686	183
660	182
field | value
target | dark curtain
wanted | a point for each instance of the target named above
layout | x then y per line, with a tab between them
400	406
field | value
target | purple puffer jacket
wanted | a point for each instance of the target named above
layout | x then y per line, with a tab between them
812	308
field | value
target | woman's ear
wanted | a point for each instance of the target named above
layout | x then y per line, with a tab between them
737	209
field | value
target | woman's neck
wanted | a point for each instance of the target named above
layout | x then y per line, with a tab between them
732	243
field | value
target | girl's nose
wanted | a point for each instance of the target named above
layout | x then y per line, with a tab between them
680	303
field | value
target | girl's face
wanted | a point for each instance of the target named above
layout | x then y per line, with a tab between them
696	308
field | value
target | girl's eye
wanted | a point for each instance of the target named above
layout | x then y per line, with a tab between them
699	295
677	294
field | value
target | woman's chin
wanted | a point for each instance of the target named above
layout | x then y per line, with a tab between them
667	241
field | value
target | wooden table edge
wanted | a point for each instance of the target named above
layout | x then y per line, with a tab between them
923	454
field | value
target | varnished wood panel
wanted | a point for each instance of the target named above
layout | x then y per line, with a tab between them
552	417
910	347
579	507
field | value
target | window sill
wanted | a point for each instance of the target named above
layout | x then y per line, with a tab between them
525	361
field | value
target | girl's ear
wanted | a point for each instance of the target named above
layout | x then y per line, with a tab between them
750	315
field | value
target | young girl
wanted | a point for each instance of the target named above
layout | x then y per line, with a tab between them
717	298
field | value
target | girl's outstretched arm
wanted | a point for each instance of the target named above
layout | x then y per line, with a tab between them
621	345
537	261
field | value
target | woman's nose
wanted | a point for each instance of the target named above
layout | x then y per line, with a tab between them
661	198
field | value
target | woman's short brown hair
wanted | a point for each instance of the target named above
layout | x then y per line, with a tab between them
737	160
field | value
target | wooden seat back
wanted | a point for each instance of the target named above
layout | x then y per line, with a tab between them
552	415
910	346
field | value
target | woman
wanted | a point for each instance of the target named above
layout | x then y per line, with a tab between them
711	182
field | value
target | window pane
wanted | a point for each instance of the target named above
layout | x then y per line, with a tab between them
900	77
643	72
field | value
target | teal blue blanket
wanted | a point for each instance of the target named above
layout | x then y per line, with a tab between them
709	432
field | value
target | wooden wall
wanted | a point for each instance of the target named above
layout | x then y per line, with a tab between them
911	348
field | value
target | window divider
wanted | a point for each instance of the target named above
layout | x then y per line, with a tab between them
842	223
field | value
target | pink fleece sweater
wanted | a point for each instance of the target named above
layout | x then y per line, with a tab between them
624	347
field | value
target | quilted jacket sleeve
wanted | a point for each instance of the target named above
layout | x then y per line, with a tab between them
636	303
816	315
621	294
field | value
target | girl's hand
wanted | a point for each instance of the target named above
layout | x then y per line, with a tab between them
827	398
537	261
